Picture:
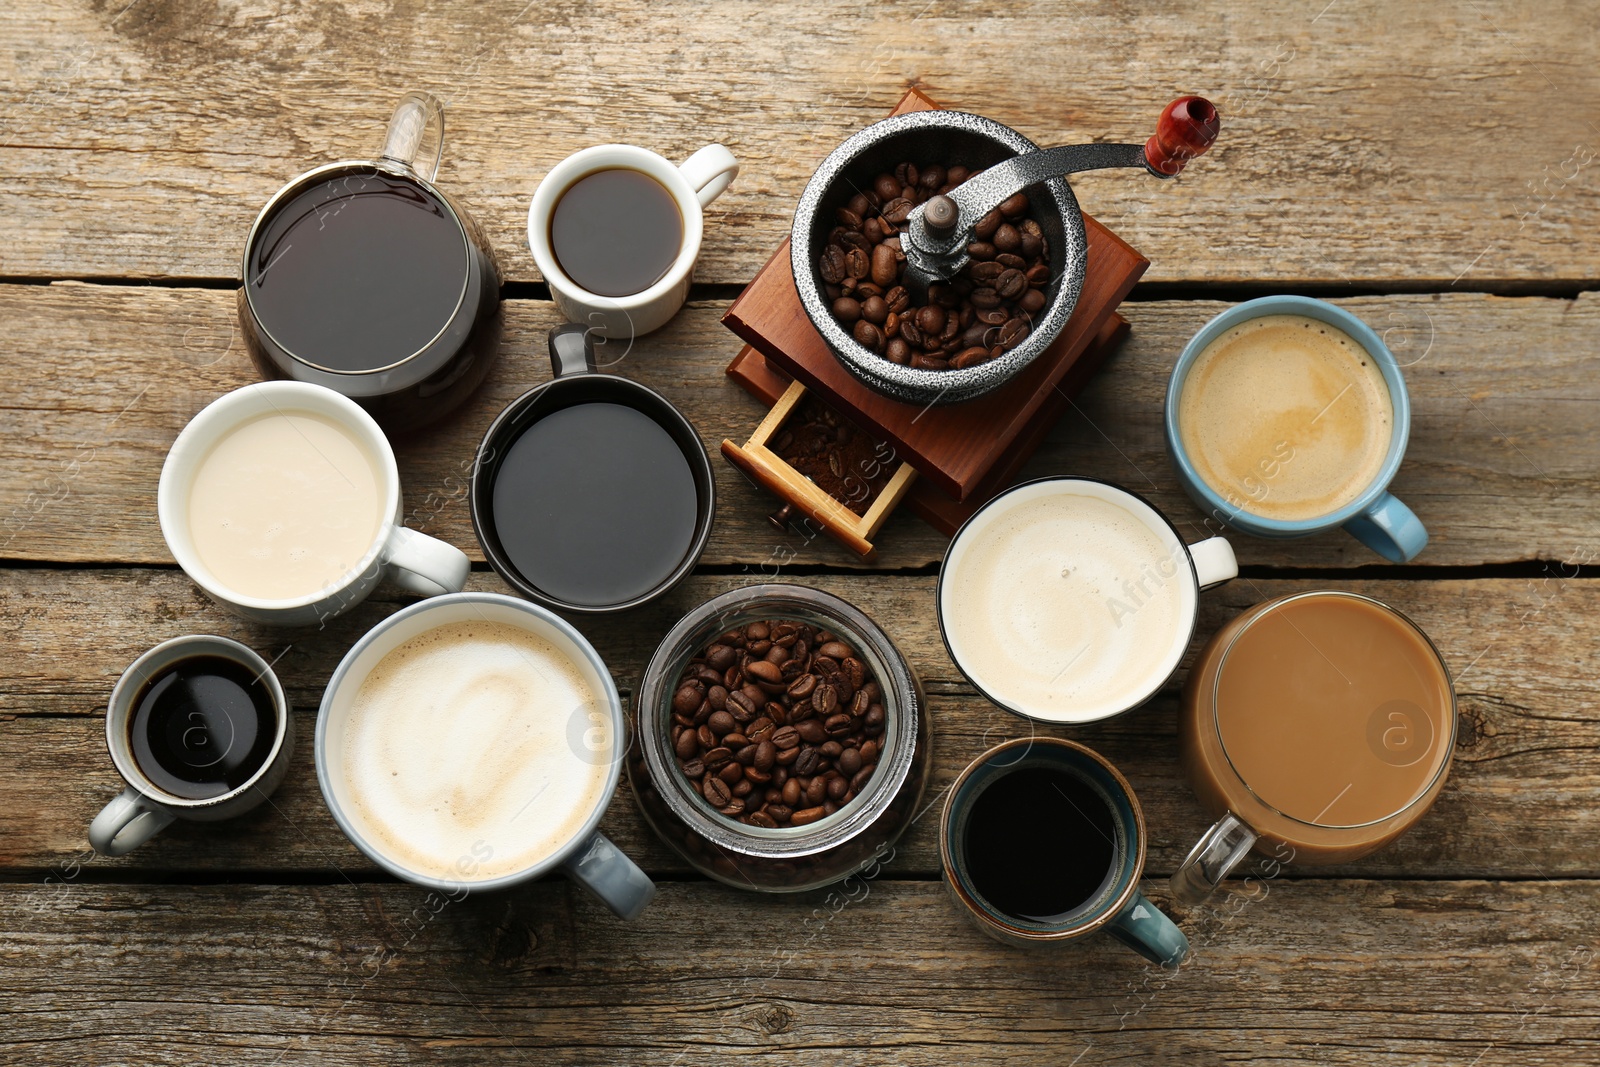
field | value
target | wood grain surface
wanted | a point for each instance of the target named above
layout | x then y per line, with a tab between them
1407	159
1502	464
1363	143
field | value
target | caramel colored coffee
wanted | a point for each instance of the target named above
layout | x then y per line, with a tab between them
1286	417
1324	721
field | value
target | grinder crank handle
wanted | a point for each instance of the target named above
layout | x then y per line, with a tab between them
939	229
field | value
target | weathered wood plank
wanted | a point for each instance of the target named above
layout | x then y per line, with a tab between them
1520	801
1324	972
1362	142
1501	466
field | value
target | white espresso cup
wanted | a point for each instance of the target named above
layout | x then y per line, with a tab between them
414	561
144	808
481	759
693	185
1070	600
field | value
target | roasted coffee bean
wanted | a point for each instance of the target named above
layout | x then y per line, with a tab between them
849	762
1010	284
762	819
981	250
1013	333
735	741
897	351
847	309
869	752
982	273
731	772
806	816
1006	238
1032	302
837	788
688	697
734	807
886	186
811	731
928	363
720	722
694	768
874	310
688	745
985	227
1014	206
808	762
832	265
817	791
856	263
707	736
716	758
868	336
831	750
884	268
825	698
716	792
1011	262
985	297
766	754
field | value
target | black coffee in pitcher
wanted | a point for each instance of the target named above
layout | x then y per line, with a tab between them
366	279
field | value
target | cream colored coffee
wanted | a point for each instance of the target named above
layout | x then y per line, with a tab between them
1286	417
1066	605
473	751
285	506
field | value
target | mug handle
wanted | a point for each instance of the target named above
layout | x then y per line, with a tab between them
1211	860
424	565
413	117
571	350
709	172
127	822
1390	529
1214	562
1147	930
618	883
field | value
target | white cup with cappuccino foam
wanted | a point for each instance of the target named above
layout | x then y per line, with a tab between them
472	742
281	500
1070	600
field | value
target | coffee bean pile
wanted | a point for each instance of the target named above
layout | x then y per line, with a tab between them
985	312
777	723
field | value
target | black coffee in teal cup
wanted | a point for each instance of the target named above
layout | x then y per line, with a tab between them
1042	840
1288	416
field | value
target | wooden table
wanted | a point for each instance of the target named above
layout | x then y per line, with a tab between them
1430	167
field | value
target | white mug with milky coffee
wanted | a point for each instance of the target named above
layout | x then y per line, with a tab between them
690	186
281	500
473	742
1070	600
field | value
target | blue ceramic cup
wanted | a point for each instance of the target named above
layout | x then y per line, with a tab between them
1375	518
1116	906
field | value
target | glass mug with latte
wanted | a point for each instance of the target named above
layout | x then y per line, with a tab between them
1287	416
1070	600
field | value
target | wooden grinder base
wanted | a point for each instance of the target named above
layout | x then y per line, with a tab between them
954	457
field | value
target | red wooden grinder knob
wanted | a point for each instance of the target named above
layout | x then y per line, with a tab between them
1186	128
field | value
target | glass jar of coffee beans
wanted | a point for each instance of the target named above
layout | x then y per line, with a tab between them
783	739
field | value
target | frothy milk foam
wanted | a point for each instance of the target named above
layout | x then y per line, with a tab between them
473	751
286	505
1066	605
1286	416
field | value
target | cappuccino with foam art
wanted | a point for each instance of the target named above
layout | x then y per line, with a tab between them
1070	600
474	750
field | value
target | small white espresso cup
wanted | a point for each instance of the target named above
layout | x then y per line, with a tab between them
700	180
144	809
414	561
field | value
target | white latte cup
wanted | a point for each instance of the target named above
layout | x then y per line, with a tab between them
479	760
416	562
696	183
1070	600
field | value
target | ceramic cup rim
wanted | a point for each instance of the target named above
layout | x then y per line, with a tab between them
1283	304
565	174
1175	653
304	181
449	602
223	416
157	658
481	506
1134	855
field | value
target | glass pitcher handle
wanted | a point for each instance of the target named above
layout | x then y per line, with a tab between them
407	143
1219	852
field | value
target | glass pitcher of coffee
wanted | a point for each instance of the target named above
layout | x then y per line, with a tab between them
1315	728
364	277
